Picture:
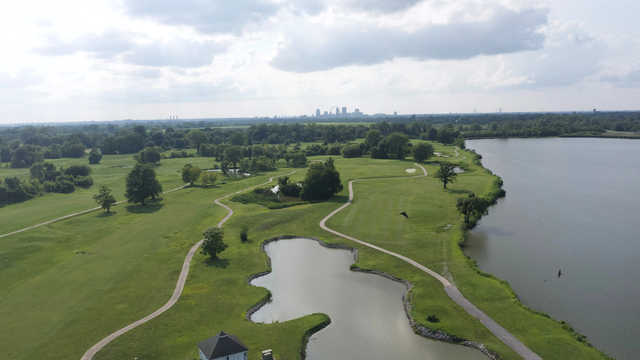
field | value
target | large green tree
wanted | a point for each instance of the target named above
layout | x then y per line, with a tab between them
322	182
422	152
196	138
105	198
142	184
190	173
472	207
213	243
150	155
95	156
446	173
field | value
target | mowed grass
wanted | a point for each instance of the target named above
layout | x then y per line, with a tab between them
217	298
111	171
431	236
72	283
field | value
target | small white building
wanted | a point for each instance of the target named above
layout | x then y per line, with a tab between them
222	347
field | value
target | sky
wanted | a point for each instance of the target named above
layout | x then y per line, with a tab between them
78	60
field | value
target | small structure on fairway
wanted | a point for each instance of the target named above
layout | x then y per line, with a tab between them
222	347
267	355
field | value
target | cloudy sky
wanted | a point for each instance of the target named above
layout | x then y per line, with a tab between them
77	60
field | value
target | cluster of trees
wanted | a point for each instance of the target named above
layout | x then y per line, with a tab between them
44	177
321	182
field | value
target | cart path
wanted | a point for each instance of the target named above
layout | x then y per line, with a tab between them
177	292
451	290
75	214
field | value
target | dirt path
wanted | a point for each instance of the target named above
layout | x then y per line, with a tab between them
177	292
453	292
74	215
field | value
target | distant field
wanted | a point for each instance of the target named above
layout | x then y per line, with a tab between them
111	171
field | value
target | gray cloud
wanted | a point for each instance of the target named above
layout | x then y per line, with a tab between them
106	45
180	54
323	49
374	6
176	52
208	16
628	80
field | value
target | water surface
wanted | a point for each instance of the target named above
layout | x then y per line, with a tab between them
572	205
367	315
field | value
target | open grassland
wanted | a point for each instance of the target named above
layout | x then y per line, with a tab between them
111	171
67	285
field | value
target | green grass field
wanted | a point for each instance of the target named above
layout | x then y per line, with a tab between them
111	171
67	285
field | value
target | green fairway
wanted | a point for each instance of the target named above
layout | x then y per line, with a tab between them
111	171
67	285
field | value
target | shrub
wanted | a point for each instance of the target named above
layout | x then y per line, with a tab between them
433	319
64	186
352	151
78	170
292	190
244	234
83	181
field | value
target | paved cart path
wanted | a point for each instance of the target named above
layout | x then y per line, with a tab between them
451	289
177	292
75	214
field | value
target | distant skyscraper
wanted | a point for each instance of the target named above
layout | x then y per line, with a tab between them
337	111
344	110
326	113
317	112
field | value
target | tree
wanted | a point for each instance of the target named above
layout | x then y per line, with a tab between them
372	139
142	184
208	179
322	182
352	151
397	145
244	233
95	156
233	154
105	198
25	156
150	155
73	150
213	243
196	138
472	208
446	174
422	152
78	170
190	173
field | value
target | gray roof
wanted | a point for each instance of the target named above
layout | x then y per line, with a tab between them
220	345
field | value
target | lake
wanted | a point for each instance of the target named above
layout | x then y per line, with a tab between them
367	314
571	206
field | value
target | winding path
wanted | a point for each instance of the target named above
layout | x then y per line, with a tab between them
177	292
450	288
74	215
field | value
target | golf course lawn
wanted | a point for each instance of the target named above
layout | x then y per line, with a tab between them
111	171
69	284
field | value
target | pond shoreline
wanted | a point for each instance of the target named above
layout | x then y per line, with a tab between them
418	329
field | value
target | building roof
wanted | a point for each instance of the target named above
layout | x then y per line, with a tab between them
220	345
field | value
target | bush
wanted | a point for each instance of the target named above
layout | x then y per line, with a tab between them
95	156
334	150
78	170
83	181
292	190
352	151
64	186
433	319
244	234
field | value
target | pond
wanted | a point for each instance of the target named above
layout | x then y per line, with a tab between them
367	313
571	210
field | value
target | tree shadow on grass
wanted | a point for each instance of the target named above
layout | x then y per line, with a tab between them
145	209
217	262
459	191
338	199
106	214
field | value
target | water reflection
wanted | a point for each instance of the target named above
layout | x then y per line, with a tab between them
367	314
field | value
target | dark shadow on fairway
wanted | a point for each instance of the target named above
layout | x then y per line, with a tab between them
459	191
106	214
339	199
146	209
219	263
